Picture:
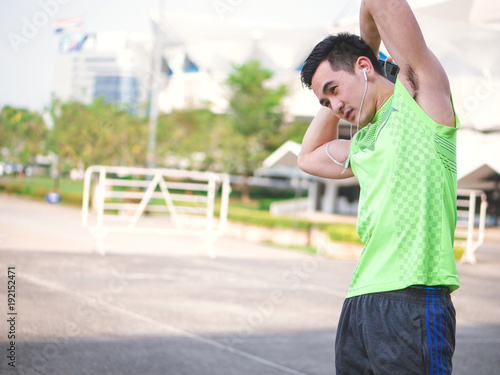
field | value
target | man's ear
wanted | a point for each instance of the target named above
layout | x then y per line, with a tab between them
363	67
364	62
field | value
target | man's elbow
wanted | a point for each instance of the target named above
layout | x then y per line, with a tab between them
302	162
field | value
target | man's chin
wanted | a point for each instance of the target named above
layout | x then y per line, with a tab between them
363	124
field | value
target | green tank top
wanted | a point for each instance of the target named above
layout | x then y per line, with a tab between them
406	167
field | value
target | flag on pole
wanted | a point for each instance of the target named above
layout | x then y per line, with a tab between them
72	42
68	24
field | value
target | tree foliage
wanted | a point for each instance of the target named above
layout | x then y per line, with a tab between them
196	138
257	117
188	133
23	135
99	133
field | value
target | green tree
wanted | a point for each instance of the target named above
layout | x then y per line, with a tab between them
189	132
257	116
99	133
23	135
294	131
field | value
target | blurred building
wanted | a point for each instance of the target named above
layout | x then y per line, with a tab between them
212	46
112	65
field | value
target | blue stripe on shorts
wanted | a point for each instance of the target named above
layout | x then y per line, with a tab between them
436	332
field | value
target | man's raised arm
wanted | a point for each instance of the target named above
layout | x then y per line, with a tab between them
313	158
393	22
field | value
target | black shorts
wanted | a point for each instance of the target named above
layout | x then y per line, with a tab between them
409	331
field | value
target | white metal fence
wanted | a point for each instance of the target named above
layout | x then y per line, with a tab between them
468	234
181	202
289	207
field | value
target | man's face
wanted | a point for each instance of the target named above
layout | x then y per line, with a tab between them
341	92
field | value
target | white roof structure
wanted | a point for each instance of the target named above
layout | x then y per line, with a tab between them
474	12
215	46
285	156
283	162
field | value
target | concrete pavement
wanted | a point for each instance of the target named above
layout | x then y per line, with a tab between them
153	305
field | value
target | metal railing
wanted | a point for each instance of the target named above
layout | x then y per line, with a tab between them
182	202
467	234
288	207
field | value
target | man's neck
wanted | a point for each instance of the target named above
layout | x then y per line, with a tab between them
385	90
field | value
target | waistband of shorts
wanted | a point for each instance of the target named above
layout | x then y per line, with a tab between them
416	293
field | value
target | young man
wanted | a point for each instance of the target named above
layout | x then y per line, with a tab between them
398	317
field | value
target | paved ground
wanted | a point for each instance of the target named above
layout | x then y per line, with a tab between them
153	305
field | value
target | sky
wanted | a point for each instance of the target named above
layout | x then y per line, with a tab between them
27	68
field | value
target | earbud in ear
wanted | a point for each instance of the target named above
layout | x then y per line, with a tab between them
364	72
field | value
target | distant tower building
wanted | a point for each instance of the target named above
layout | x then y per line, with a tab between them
112	65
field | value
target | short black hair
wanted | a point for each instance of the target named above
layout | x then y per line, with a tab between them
342	51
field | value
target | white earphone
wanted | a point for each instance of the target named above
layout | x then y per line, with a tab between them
345	164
